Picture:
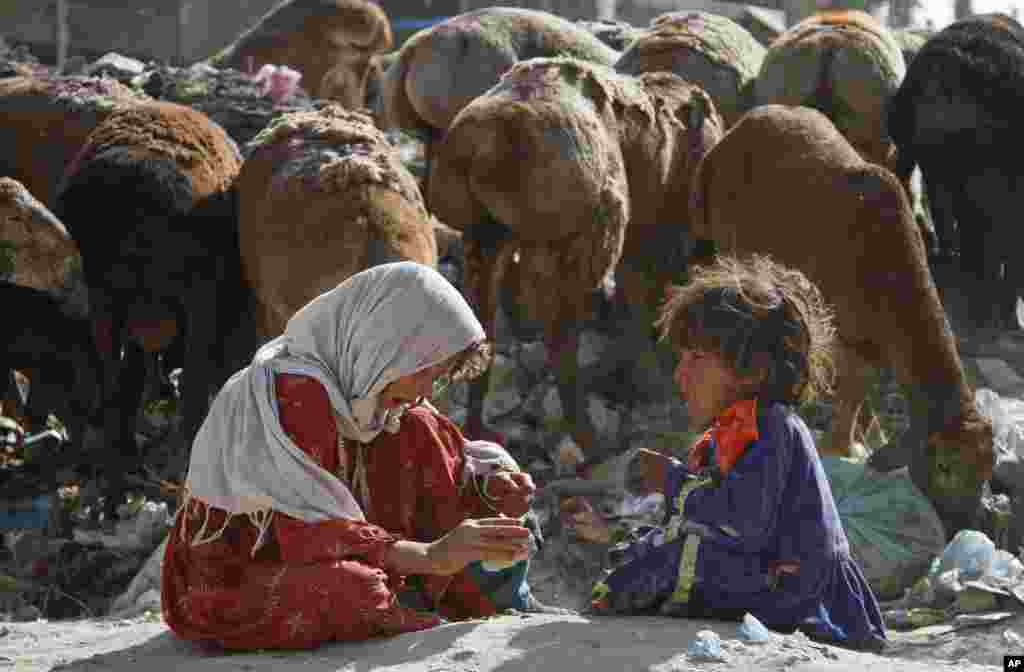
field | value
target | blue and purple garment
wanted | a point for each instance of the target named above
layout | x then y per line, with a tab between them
764	537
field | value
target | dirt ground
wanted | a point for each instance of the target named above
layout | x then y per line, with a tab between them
511	643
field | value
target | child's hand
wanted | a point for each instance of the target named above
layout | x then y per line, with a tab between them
646	472
579	516
511	492
502	540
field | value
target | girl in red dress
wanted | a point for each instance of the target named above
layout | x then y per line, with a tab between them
326	500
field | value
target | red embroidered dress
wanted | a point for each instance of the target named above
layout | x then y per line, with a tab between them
316	582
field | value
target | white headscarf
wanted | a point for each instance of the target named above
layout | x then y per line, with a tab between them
381	324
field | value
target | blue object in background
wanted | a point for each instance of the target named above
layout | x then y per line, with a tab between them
25	514
416	23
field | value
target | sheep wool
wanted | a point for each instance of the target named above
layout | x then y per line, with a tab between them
35	249
706	49
313	37
327	187
442	69
845	64
44	122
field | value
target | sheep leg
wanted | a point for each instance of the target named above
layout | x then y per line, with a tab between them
938	203
562	349
1015	286
481	250
853	380
120	420
11	402
975	264
203	345
434	138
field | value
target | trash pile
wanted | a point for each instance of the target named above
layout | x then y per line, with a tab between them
970	583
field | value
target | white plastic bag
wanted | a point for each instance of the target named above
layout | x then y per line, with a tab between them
1007	416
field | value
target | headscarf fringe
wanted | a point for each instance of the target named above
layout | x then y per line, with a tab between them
198	539
261	519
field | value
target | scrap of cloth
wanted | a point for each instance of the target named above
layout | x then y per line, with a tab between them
729	436
763	538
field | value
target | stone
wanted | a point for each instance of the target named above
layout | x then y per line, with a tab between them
592	347
533	357
115	65
999	375
504	394
502	402
605	417
568	456
551	406
147	578
657	417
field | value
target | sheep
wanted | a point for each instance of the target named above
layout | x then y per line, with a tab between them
334	86
35	248
314	36
957	116
442	68
846	223
44	122
845	64
910	41
160	258
711	51
321	197
48	340
576	170
44	297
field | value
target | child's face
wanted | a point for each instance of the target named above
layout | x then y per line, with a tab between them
707	384
423	384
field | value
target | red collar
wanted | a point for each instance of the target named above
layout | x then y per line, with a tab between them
733	431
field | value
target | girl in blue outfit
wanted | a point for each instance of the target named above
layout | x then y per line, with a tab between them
750	525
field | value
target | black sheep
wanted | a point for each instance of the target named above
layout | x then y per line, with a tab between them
959	115
50	342
150	202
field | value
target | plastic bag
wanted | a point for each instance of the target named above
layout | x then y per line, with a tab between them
971	552
753	631
893	529
1007	416
706	646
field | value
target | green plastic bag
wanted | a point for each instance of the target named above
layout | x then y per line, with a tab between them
893	529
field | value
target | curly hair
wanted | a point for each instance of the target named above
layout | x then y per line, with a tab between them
472	361
759	316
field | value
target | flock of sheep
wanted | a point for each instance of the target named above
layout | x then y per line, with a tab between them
573	159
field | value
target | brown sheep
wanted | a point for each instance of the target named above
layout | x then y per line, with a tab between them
44	122
847	225
711	51
442	68
49	340
323	196
46	336
314	37
149	201
573	168
845	64
35	249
